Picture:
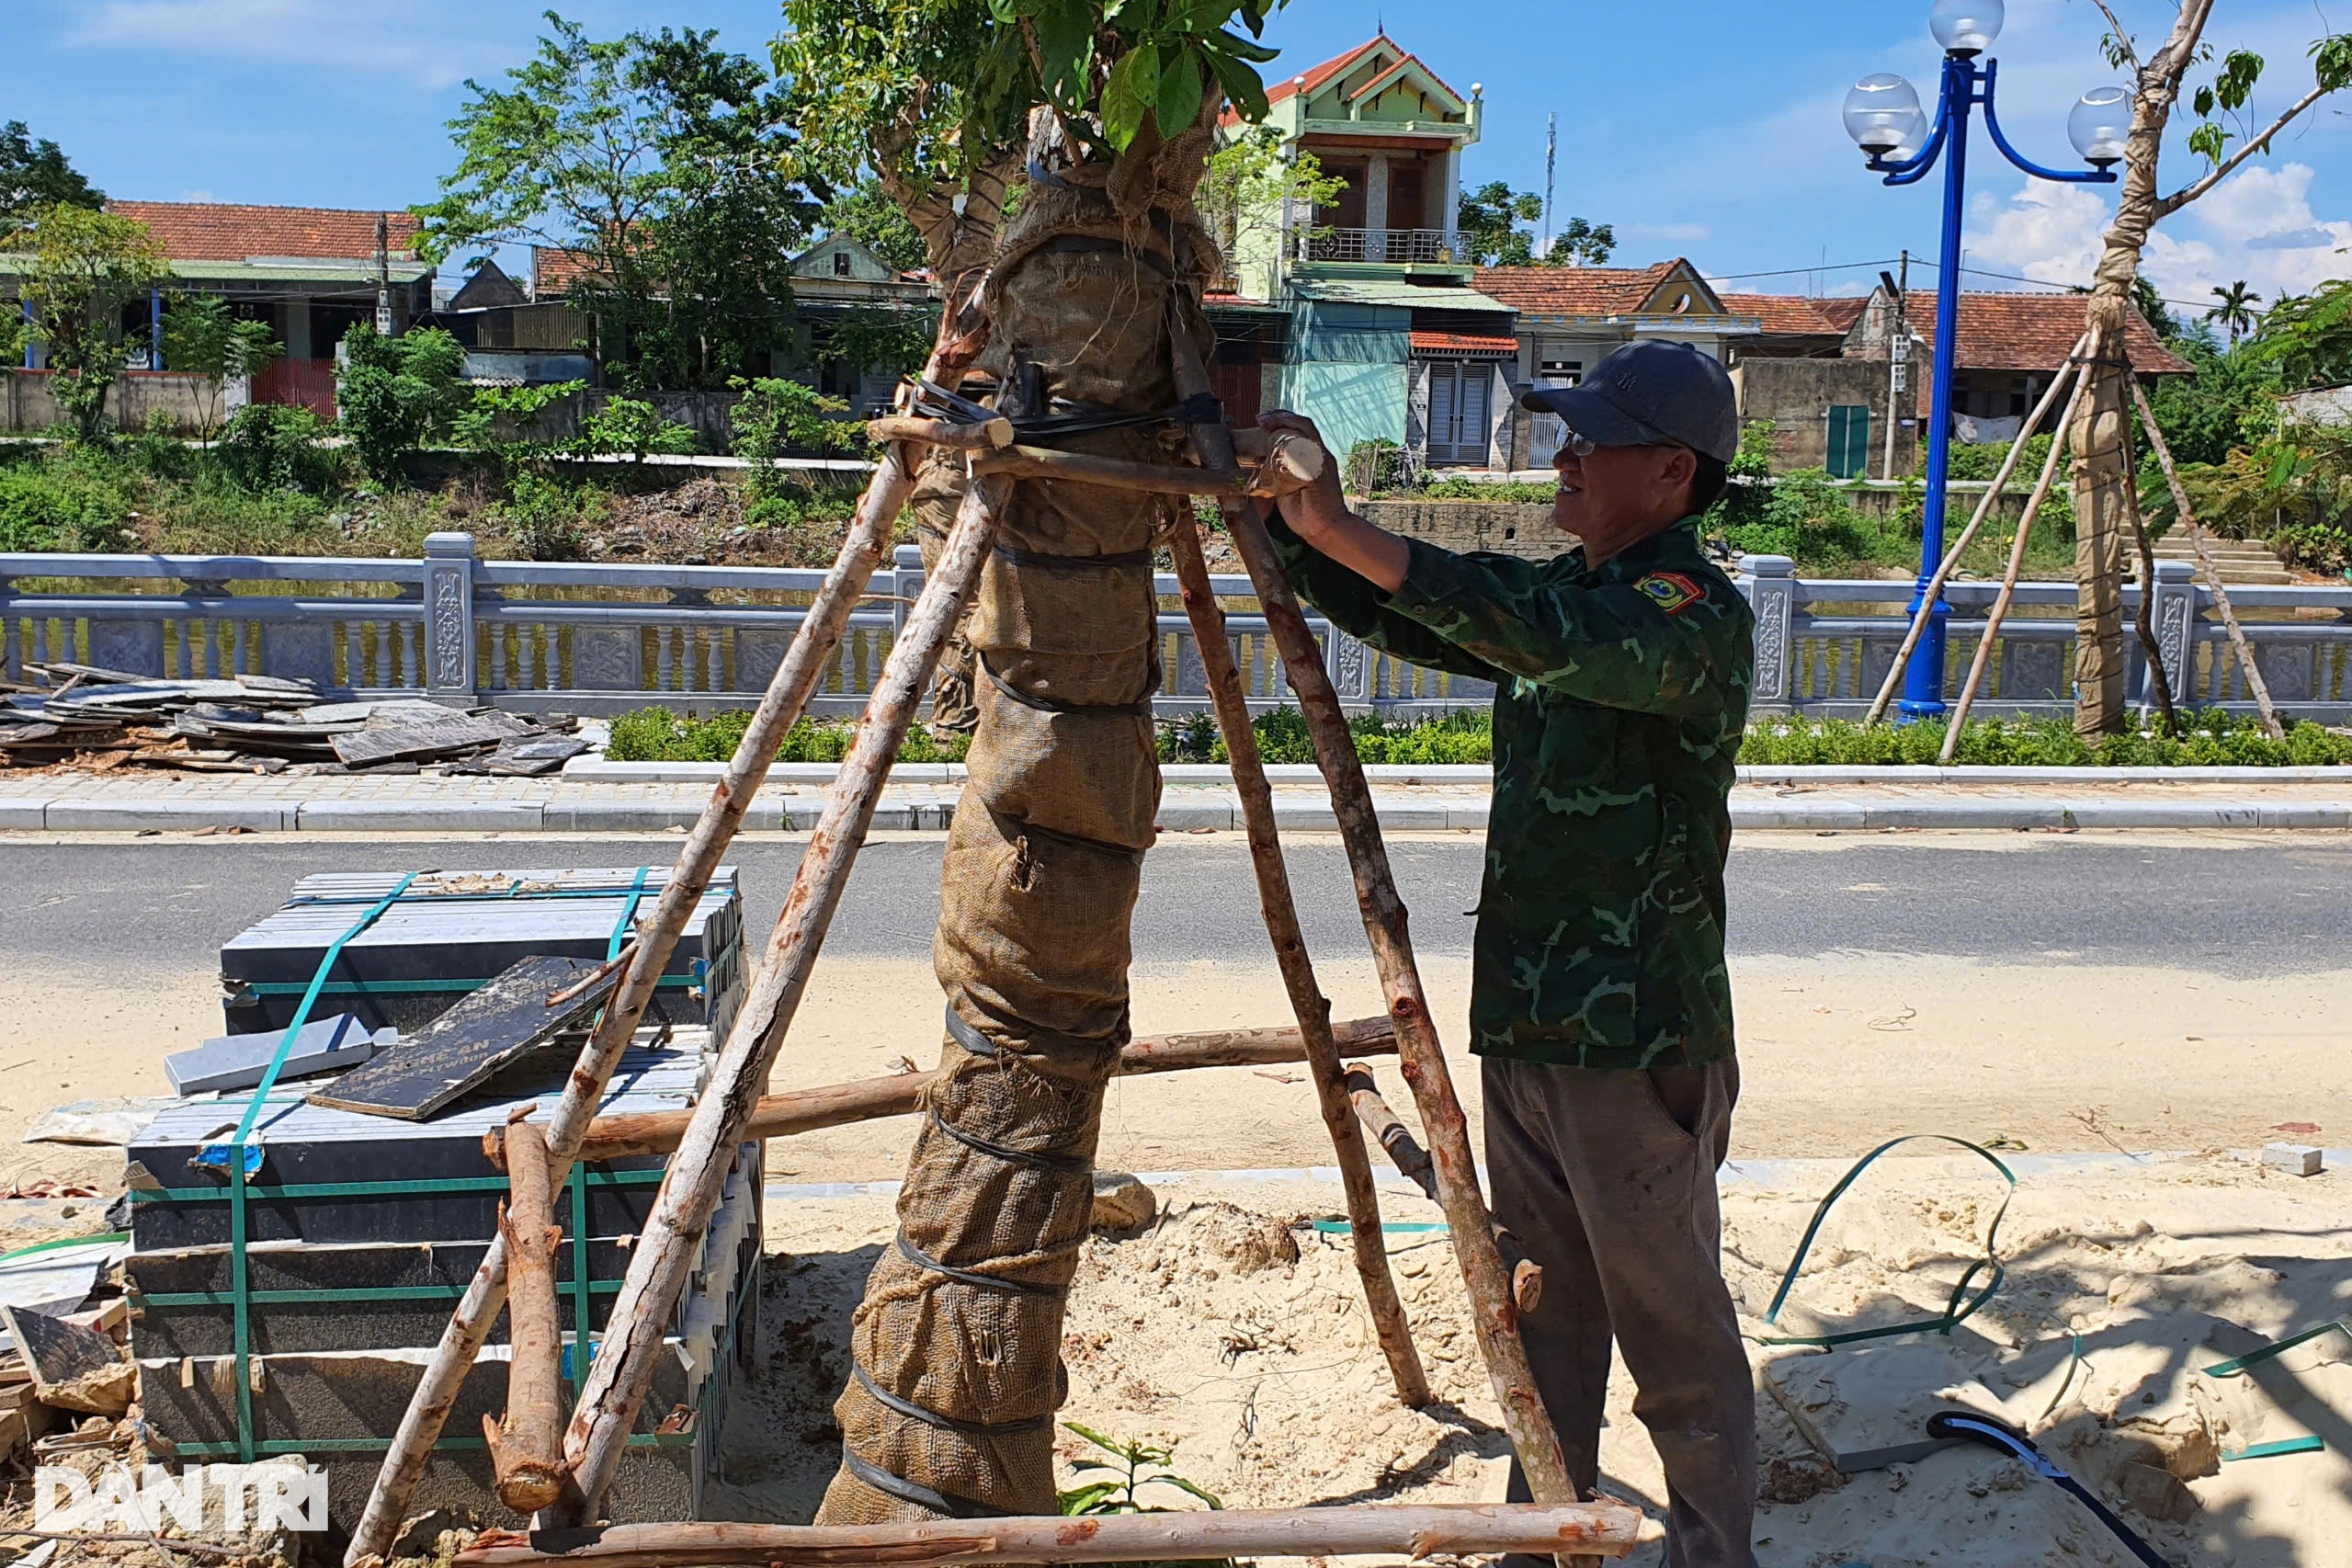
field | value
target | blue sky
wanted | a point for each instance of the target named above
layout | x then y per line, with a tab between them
1697	127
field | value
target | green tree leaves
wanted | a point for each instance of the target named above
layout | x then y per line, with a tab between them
1489	219
34	176
669	164
394	395
924	91
86	264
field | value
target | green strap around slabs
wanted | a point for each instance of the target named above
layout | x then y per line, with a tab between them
241	1292
238	1281
1957	1310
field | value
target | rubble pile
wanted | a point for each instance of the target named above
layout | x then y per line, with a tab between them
89	717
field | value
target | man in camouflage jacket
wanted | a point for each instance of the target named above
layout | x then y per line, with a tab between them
1599	1003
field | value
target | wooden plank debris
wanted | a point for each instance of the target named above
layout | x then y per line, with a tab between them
492	1027
74	1367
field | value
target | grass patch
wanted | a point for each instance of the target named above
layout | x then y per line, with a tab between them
2213	740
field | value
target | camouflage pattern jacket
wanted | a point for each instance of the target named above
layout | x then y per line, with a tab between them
1620	695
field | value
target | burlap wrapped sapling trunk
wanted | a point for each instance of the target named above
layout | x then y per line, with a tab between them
956	1375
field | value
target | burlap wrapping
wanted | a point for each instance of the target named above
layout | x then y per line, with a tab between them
957	1343
939	492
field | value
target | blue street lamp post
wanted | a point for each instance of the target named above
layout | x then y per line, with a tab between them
1883	114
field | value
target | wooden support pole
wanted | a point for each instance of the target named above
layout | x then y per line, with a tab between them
870	1099
2069	370
2000	611
981	436
614	1387
1412	1162
1410	1530
1287	467
1493	1315
528	1451
1308	1003
2144	623
2254	683
810	657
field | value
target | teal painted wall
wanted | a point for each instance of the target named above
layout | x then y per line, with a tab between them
1347	368
1349	401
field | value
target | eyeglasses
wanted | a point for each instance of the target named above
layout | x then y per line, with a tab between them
1582	445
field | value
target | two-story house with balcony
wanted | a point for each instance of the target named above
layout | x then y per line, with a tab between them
1387	338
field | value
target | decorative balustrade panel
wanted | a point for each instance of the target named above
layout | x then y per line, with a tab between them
604	638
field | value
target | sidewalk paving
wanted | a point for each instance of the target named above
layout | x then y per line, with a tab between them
592	800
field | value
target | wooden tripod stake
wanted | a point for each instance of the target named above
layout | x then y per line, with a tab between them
2070	371
1493	1313
805	662
1307	1000
2254	683
528	1451
838	1105
2000	611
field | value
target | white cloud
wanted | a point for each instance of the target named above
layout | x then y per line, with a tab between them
2257	225
383	41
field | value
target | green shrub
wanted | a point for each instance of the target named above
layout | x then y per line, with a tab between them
1373	466
635	426
70	501
541	517
2210	739
274	446
393	395
1502	493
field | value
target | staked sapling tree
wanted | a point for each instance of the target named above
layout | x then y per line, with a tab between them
1105	110
2224	138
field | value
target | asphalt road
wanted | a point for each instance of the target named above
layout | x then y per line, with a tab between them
2240	906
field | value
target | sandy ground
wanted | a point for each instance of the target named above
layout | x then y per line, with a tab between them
1838	1052
1200	1333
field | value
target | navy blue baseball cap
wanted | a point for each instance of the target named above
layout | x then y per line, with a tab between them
1648	392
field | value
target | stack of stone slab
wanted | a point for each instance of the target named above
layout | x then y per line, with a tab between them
361	1231
452	931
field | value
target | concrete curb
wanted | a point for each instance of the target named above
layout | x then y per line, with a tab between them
1183	809
597	770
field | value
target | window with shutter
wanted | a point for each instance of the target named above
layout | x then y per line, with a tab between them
1850	440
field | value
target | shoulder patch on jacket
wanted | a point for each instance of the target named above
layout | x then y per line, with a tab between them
1670	591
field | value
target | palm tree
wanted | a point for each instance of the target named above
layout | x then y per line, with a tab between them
2235	312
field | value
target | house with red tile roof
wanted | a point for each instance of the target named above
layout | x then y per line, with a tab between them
311	272
1830	389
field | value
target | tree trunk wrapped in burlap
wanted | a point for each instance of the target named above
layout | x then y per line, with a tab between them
939	492
949	1409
